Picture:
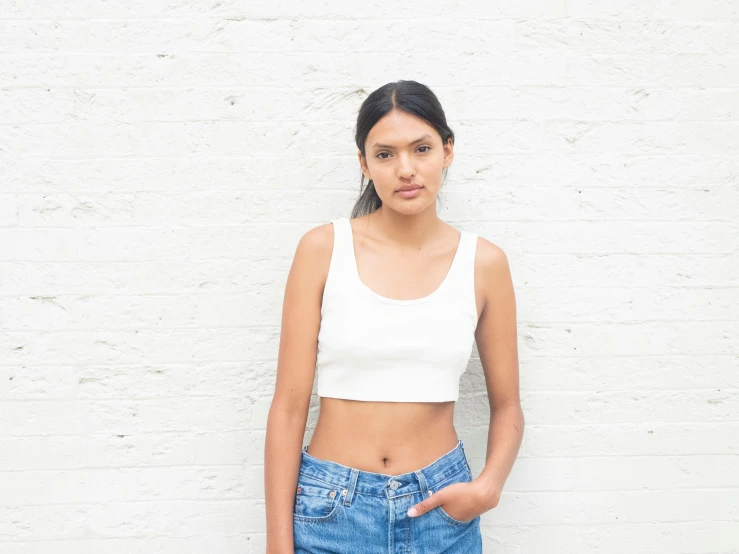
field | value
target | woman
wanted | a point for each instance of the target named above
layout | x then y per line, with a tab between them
383	308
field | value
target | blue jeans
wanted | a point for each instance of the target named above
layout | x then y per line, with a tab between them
340	509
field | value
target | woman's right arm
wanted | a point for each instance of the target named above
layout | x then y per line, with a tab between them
296	363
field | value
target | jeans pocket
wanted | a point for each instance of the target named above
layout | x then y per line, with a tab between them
464	475
315	500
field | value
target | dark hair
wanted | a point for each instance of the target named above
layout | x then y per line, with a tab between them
408	96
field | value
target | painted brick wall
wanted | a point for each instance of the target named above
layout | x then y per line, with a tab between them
159	161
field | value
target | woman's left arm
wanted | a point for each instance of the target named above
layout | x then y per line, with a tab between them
496	338
497	342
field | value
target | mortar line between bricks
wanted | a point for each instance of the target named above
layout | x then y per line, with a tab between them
526	359
245	292
189	260
20	438
226	86
442	16
292	225
347	88
455	187
179	225
190	431
119	466
260	432
572	52
107	123
649	524
651	255
631	492
631	426
552	325
528	394
195	156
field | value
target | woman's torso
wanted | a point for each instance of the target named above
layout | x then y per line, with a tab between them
390	437
383	437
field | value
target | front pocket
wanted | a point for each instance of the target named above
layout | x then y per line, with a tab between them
315	501
462	476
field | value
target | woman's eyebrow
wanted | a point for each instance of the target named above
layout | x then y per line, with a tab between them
377	145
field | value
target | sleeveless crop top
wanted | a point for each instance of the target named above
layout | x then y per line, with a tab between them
375	348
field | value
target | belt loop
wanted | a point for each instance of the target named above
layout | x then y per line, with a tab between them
464	454
464	457
352	486
422	481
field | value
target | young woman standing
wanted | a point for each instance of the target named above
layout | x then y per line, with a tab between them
383	308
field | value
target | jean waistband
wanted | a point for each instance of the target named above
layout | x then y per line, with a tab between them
353	480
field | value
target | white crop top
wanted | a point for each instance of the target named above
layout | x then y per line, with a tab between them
375	348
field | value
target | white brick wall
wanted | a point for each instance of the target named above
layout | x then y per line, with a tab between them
159	161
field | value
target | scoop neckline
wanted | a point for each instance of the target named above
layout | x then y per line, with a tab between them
409	301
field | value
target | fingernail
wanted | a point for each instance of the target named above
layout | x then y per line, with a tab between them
412	512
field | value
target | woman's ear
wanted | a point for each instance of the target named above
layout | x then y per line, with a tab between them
448	152
363	165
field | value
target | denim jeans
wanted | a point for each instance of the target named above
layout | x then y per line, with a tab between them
340	509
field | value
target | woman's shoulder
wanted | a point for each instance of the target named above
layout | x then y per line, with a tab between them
490	258
313	252
318	241
487	250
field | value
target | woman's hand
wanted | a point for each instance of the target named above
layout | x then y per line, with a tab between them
463	501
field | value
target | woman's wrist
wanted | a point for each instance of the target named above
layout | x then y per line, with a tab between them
489	489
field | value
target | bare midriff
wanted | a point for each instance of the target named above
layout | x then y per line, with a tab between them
383	437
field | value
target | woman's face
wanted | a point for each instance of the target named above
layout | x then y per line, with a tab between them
403	150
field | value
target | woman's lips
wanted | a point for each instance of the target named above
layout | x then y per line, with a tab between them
412	193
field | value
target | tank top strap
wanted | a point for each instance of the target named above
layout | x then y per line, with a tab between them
343	251
462	274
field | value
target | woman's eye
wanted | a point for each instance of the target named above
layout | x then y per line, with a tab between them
380	155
